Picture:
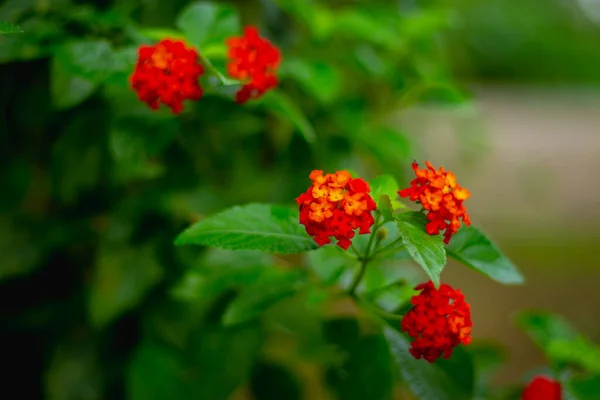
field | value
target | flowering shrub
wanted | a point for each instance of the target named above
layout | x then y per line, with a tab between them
258	295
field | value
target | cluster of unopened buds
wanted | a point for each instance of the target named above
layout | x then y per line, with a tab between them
169	71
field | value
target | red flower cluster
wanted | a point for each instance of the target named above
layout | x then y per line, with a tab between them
542	388
438	193
254	61
439	320
335	205
167	72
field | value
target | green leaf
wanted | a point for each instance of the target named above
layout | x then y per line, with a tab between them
385	185
68	90
320	79
5	28
158	34
280	104
559	340
223	359
165	368
384	205
78	155
122	277
273	381
587	388
205	22
426	381
255	299
460	369
472	248
543	327
329	263
21	251
365	372
265	227
74	371
487	358
427	250
93	60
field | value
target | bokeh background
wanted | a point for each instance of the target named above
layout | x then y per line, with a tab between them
520	127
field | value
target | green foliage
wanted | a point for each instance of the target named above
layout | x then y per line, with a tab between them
365	371
270	228
9	28
426	381
559	340
428	251
123	276
254	299
472	248
97	187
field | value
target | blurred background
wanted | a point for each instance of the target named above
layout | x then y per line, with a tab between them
503	93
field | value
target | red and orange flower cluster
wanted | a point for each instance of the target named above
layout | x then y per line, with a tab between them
439	194
168	72
254	61
336	205
439	320
542	388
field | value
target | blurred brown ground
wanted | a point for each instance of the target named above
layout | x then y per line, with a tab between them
530	158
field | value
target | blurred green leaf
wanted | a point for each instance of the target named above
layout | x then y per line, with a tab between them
385	185
384	205
579	351
93	60
5	28
543	327
122	277
587	388
472	248
166	370
74	373
273	381
132	143
158	34
460	369
320	79
365	372
329	262
280	104
487	358
559	340
426	381
265	227
427	250
21	254
254	299
206	22
68	90
78	155
223	359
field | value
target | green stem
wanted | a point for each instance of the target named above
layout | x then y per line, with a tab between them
389	246
381	312
365	257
